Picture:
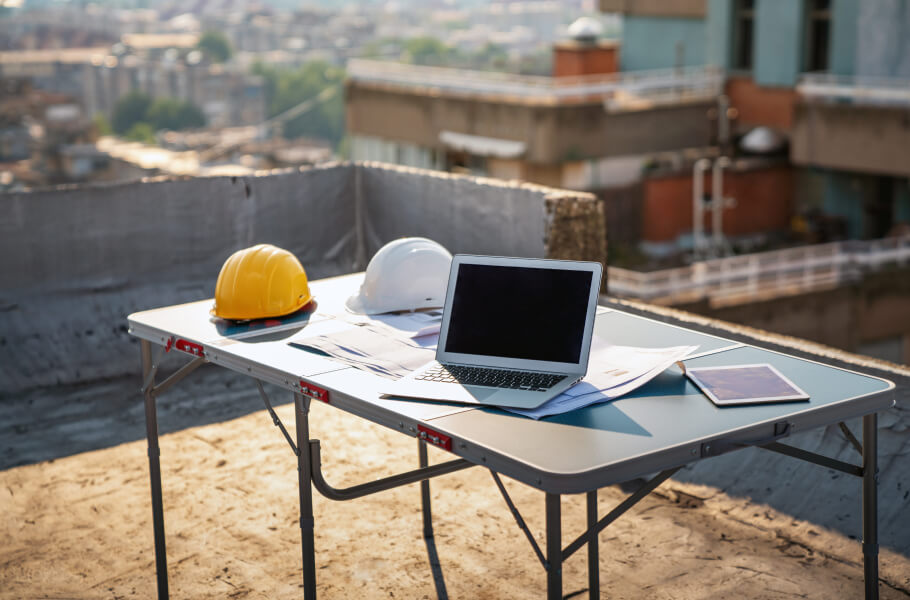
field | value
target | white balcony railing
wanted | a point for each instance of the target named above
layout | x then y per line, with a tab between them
882	91
616	90
765	275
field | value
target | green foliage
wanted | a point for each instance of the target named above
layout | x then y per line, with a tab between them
426	51
102	125
137	108
215	46
287	87
130	110
168	113
141	132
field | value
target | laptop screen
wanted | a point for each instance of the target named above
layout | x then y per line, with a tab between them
519	312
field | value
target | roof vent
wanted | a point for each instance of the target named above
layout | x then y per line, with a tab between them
586	30
763	140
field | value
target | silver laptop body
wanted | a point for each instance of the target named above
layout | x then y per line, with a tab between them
515	332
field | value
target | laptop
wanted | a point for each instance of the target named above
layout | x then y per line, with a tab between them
515	332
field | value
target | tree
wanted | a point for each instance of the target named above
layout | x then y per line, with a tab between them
426	51
168	113
286	88
215	46
141	132
129	110
102	125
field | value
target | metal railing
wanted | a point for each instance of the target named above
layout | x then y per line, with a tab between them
885	91
615	89
764	275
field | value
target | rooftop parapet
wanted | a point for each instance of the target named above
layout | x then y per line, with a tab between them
618	91
846	89
75	261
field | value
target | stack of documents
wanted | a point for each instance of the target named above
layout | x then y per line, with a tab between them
390	346
613	371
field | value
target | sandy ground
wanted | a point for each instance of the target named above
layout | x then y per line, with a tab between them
80	527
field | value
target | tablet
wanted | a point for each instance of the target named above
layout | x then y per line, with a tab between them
745	384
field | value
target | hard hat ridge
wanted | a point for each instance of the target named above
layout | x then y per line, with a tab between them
259	282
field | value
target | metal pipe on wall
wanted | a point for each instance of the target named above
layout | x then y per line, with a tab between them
717	205
698	210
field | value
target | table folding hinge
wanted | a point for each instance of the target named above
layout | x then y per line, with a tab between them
314	391
185	346
434	437
722	446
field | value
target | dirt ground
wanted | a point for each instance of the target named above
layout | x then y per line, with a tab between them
80	527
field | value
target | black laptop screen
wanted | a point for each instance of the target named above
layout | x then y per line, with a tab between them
519	312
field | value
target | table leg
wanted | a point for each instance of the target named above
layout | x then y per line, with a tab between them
428	538
304	479
151	433
554	546
870	505
593	549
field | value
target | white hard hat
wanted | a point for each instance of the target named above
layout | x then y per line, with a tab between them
406	274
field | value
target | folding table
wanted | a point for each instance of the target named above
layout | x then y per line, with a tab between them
659	428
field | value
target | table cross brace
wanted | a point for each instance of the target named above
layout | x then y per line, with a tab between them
625	505
519	520
812	457
275	419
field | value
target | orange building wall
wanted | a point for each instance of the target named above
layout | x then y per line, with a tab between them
757	105
764	201
571	59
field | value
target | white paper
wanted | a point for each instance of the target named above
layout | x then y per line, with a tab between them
413	325
604	380
610	366
372	349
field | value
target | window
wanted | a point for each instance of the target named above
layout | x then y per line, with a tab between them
743	30
818	32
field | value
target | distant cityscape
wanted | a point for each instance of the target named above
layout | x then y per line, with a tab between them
251	73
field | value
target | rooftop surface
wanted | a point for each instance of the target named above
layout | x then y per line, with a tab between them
80	526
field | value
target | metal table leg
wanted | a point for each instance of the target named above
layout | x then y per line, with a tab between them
870	505
554	546
428	538
593	549
304	477
151	433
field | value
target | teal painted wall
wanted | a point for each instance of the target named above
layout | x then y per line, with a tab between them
779	35
844	198
844	25
719	22
651	42
902	202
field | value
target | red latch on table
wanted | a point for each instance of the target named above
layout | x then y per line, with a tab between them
314	391
434	437
189	348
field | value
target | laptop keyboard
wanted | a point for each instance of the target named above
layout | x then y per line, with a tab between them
500	378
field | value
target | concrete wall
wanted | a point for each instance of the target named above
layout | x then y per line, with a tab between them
877	308
868	139
74	262
661	42
553	134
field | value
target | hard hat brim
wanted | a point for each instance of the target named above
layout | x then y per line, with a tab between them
355	305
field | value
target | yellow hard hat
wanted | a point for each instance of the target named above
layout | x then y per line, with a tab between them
258	282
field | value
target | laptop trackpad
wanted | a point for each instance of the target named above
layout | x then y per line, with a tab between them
480	393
